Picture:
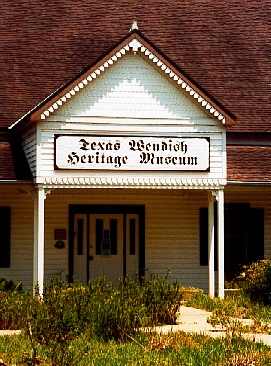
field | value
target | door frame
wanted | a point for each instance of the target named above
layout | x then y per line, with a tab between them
108	209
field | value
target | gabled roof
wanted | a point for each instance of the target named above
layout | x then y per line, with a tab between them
222	45
134	42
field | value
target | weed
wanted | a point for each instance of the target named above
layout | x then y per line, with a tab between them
148	350
232	326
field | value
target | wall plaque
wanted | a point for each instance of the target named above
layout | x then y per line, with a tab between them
60	234
132	153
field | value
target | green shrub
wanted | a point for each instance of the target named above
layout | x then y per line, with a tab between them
101	309
10	310
162	299
117	311
8	285
189	293
53	321
203	301
255	279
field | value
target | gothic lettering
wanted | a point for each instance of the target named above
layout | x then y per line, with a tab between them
135	153
150	158
98	158
168	145
104	146
73	158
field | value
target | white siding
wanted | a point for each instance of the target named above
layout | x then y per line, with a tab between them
172	228
29	144
131	98
21	204
46	152
171	232
132	88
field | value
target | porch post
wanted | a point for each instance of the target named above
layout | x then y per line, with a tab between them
38	252
211	245
220	241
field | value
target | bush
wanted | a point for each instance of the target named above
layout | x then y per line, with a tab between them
8	285
115	311
100	309
53	321
119	310
162	299
255	279
6	288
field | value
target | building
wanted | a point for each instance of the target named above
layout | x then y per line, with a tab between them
129	151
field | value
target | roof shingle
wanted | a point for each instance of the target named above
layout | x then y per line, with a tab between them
249	163
7	167
223	46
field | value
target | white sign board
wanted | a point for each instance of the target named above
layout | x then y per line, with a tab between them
131	153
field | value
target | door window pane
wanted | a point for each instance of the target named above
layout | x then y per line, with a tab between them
114	235
132	236
106	239
80	236
99	236
106	243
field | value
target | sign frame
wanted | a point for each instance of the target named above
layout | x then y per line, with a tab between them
207	138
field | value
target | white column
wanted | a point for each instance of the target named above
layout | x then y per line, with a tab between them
220	242
211	245
38	252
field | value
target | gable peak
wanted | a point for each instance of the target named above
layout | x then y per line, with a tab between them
134	26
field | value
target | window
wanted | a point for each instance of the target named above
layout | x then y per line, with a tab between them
99	235
106	239
80	236
5	228
244	236
132	231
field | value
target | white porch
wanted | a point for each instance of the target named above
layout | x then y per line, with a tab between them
171	234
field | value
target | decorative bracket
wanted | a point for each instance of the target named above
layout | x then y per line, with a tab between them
135	45
33	192
47	191
213	194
